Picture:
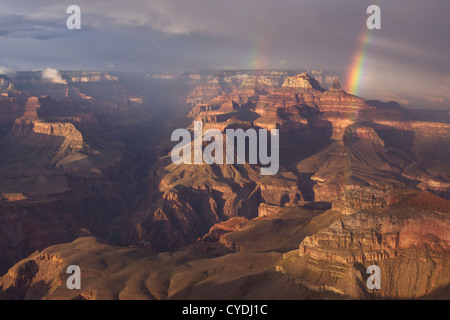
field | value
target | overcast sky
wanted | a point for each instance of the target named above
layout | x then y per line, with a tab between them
407	60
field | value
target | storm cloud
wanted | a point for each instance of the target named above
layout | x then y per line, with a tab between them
407	59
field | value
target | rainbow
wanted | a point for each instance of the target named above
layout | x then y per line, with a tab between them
359	60
358	63
258	58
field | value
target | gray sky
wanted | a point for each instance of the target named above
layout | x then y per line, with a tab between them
407	60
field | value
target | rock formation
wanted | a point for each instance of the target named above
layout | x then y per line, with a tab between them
408	229
90	155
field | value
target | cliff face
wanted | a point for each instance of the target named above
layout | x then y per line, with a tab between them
402	229
56	139
39	133
204	93
302	81
354	199
367	236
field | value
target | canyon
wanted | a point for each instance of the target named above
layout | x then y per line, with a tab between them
88	179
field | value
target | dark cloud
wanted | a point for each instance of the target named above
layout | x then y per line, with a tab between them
23	26
168	35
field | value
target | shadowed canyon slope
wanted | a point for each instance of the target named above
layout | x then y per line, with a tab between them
88	158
